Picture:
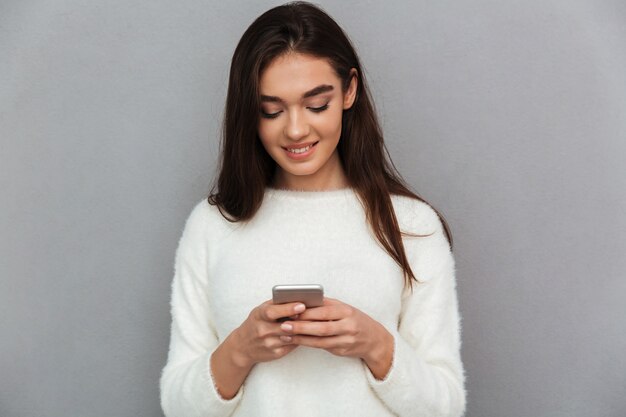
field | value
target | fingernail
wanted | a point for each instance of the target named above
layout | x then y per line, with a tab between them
285	338
299	308
286	327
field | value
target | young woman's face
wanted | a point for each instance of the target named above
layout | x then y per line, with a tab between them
300	121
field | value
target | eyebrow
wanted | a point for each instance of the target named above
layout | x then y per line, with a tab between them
324	88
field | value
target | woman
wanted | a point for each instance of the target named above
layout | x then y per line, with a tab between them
306	195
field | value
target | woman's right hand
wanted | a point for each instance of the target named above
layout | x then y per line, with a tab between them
258	338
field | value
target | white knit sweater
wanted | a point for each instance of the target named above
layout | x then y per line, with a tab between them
224	269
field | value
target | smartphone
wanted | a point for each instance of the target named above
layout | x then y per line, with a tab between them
311	295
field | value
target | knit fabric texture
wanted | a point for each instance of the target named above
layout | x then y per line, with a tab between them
223	270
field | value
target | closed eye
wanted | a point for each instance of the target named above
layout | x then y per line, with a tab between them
269	115
275	115
319	109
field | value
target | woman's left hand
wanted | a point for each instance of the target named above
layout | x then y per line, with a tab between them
343	330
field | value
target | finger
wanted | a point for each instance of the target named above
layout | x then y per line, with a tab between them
285	349
294	317
272	312
332	342
325	313
280	340
313	328
277	340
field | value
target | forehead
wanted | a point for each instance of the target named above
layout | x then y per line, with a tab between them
290	75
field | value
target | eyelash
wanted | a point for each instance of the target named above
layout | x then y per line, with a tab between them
275	115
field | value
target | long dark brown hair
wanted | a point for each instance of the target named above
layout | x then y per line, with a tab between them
246	169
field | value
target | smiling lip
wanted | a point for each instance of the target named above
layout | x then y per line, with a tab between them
301	155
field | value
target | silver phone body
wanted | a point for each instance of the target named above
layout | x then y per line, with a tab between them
312	295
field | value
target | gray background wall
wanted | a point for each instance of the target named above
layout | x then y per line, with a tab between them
509	116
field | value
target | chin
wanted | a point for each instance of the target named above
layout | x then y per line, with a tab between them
300	172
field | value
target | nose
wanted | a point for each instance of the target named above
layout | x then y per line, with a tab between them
297	127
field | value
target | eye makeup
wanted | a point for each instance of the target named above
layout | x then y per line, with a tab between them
313	109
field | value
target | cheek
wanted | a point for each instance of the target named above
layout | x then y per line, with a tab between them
332	124
265	133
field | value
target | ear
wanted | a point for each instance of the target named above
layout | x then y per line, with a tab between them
350	95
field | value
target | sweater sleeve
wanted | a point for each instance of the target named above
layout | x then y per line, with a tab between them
426	377
186	384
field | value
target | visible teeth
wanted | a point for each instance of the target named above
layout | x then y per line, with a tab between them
300	150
